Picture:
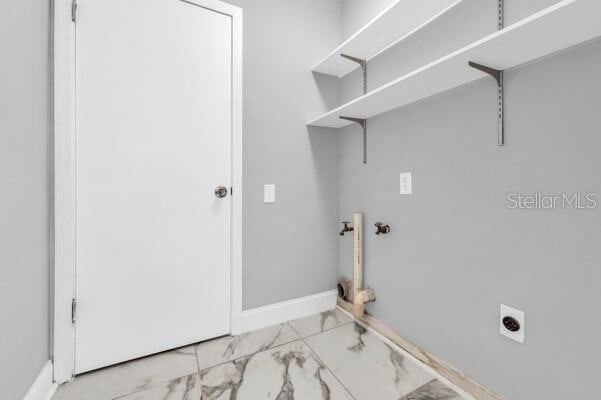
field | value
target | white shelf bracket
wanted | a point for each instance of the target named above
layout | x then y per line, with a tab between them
363	64
363	123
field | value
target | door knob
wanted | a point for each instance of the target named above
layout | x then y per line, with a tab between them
220	191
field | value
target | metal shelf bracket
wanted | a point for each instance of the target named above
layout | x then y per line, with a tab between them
498	76
363	64
363	123
501	14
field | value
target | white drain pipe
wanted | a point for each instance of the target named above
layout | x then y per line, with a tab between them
360	296
357	253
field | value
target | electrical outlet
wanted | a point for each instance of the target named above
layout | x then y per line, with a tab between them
512	323
269	194
406	183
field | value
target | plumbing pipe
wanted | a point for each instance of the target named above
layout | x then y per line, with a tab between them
344	288
360	296
357	253
364	296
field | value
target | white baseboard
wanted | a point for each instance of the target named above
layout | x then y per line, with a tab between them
274	314
43	387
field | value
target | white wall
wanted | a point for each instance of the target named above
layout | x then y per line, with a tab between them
24	193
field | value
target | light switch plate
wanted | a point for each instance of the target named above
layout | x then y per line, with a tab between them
406	183
519	316
269	194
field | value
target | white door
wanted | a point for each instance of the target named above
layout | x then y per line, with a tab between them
153	141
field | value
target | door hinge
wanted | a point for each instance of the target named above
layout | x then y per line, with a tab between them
73	310
73	10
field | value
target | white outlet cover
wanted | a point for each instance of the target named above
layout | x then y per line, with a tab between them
520	316
269	193
406	182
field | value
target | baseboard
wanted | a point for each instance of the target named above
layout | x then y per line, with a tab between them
43	387
445	371
273	314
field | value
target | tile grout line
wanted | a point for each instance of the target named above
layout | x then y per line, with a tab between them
250	354
434	378
302	339
399	349
319	333
197	363
319	358
158	384
294	329
330	329
328	368
199	370
420	387
153	386
196	359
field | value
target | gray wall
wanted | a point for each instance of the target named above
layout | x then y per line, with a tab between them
289	248
456	252
24	193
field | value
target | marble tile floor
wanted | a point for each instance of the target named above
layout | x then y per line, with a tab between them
321	357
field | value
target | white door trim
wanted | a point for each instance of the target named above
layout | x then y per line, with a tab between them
64	179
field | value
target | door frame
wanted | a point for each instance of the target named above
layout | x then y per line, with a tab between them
64	267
